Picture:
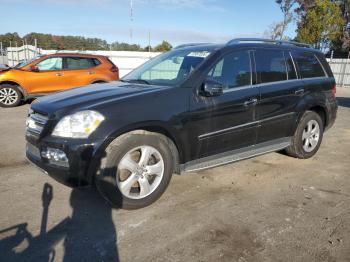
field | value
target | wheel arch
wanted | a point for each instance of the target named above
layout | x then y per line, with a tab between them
175	145
12	82
99	81
322	112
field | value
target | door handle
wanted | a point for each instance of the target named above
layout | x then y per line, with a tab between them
252	101
299	92
59	74
91	72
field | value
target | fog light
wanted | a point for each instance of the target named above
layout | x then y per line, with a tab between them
55	156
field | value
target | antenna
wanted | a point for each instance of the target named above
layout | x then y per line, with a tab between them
131	19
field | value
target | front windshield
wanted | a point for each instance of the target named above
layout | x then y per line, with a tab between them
27	62
168	69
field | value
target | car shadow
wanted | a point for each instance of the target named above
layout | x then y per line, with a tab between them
344	101
89	234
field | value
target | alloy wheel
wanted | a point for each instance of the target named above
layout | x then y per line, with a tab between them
140	172
311	136
8	96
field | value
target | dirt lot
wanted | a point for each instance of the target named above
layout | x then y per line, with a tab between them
270	208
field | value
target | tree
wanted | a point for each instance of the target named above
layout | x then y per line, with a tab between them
321	24
286	7
163	47
12	38
344	43
274	31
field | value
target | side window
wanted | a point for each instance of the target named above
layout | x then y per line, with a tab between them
309	66
49	64
270	66
233	70
96	61
79	63
290	66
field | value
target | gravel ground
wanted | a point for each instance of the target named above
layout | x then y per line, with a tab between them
269	208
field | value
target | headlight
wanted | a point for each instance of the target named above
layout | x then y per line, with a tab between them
78	125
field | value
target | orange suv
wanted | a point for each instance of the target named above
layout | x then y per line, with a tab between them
52	73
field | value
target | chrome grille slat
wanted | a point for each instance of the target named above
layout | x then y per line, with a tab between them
39	118
36	123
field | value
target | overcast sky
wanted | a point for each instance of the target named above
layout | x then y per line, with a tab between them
178	21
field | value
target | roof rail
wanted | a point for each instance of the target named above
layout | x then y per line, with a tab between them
189	45
70	52
267	41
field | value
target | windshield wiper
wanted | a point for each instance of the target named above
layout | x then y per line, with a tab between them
141	81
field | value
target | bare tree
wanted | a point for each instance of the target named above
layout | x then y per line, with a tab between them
286	7
274	31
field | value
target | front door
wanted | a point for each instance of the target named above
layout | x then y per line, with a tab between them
48	78
225	122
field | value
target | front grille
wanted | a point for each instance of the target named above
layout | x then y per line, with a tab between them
36	123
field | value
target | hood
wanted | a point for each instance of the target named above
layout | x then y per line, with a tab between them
4	68
88	97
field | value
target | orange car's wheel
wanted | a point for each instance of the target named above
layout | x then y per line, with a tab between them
10	96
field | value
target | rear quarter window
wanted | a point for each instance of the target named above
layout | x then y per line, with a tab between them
79	63
309	66
96	61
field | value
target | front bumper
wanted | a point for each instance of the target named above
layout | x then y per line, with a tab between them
82	160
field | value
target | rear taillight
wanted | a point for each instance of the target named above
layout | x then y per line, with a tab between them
114	69
334	91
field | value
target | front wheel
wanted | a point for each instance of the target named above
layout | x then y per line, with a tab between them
308	136
10	96
136	169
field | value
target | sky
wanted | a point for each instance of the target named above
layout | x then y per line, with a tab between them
177	21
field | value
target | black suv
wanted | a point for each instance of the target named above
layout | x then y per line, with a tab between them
195	107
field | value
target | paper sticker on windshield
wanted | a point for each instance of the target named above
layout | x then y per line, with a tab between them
202	54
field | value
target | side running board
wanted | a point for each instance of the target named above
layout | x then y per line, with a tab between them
236	155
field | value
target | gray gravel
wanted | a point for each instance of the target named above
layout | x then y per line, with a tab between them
269	208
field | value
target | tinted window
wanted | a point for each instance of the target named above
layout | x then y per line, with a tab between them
79	63
233	70
290	66
96	61
52	63
309	66
270	66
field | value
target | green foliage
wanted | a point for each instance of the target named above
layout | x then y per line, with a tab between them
11	37
54	42
321	24
116	46
163	47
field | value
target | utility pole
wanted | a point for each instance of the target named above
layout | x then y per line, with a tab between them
149	41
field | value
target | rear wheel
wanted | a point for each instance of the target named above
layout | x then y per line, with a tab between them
136	169
308	136
10	96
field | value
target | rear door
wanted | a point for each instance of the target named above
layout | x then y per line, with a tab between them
78	71
280	90
226	122
49	78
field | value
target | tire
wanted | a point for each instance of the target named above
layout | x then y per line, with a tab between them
122	177
10	96
300	146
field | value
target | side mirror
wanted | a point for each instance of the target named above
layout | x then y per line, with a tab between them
212	88
34	68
